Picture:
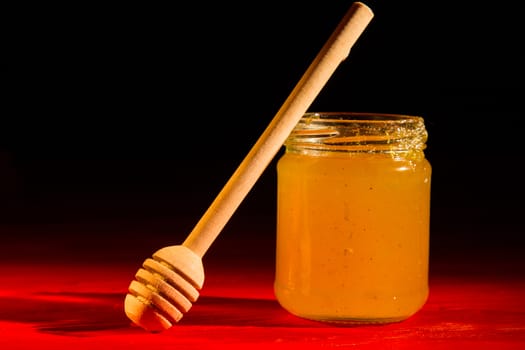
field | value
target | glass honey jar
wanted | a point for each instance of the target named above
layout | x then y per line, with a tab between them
353	213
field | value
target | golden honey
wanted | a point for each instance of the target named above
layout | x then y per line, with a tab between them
353	218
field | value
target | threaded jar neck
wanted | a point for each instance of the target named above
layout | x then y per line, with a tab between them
349	132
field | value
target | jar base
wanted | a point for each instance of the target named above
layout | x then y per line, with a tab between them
351	321
294	303
357	321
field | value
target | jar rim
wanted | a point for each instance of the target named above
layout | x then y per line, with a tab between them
369	117
357	132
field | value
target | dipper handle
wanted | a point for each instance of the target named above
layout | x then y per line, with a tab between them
334	51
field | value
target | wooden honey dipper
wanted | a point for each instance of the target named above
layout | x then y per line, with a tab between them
169	282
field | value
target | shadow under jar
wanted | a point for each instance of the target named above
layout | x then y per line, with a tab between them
353	212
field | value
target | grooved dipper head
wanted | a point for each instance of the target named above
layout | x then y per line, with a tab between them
164	288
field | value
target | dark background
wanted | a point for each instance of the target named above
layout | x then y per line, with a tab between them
120	125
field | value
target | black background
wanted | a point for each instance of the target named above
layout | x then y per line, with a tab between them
122	124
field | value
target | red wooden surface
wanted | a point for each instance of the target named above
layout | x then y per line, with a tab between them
77	303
